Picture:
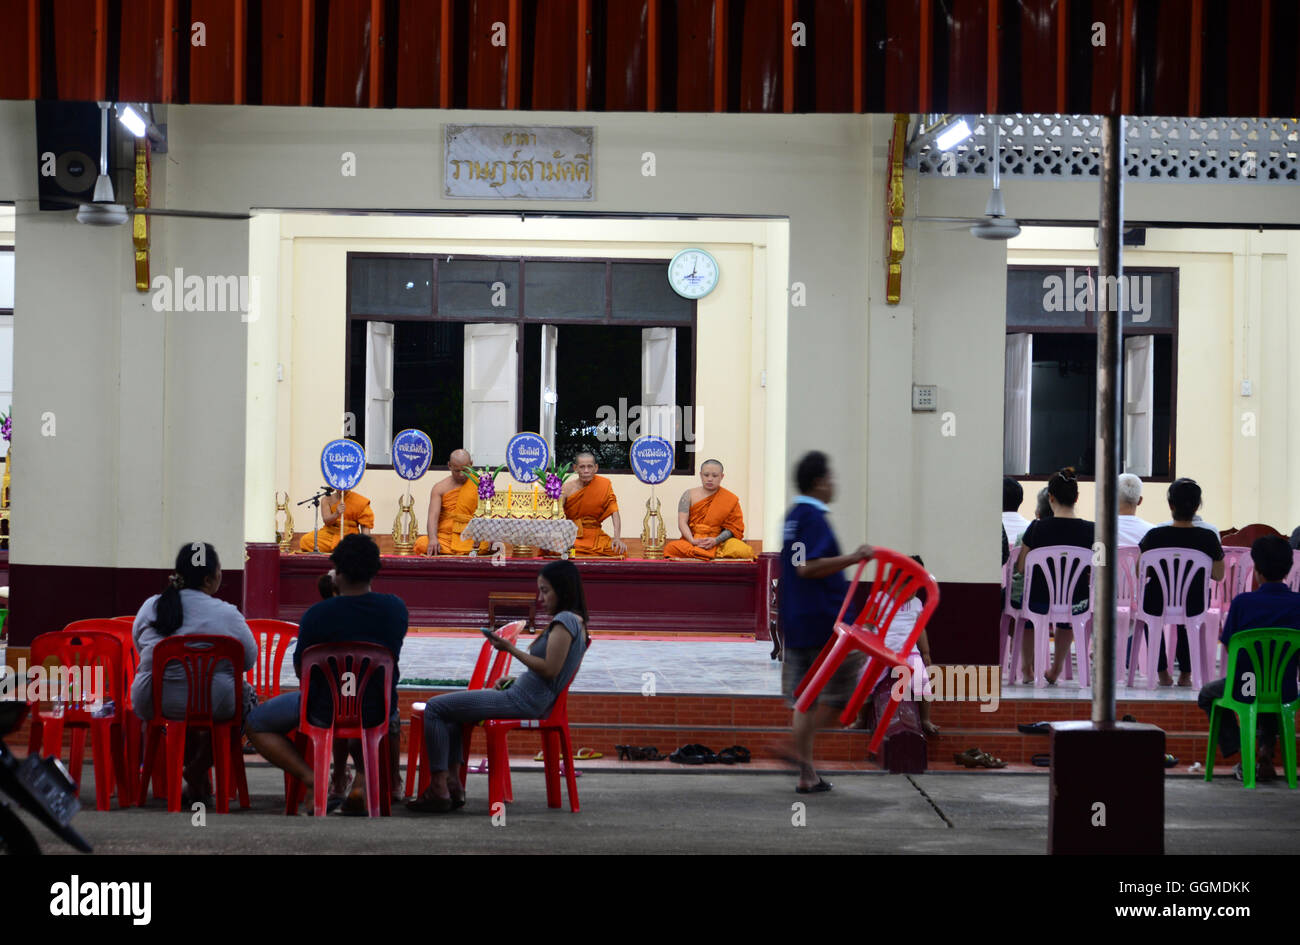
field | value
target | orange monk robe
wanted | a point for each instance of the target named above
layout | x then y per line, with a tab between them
707	519
458	507
587	507
356	511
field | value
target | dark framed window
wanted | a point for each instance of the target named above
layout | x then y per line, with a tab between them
1052	345
599	311
7	261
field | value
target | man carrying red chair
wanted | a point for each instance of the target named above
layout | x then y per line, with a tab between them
812	591
355	615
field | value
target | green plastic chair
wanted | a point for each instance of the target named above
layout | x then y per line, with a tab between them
1271	650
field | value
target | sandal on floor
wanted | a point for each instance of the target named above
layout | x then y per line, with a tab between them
651	753
735	754
980	759
961	757
587	754
694	754
821	787
430	803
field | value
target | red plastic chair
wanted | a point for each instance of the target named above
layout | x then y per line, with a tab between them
557	748
417	758
898	579
1175	569
372	665
273	639
200	654
132	726
78	707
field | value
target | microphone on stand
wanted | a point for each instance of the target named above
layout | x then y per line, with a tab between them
324	491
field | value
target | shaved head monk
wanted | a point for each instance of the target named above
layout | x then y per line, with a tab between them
588	501
710	519
357	517
452	503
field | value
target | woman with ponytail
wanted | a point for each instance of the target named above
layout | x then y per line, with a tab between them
1063	527
188	605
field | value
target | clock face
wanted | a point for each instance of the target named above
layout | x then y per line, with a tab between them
693	273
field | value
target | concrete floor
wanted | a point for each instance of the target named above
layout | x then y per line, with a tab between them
708	812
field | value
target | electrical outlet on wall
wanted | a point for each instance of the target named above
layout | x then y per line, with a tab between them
925	398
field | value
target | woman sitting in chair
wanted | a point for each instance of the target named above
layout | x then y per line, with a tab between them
188	605
551	663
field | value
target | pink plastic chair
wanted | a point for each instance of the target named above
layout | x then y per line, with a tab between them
417	758
1008	619
1062	567
898	579
1126	590
372	665
1238	566
1175	569
1293	579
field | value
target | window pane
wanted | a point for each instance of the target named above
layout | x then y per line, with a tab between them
641	291
1162	412
390	286
428	381
6	279
1150	299
564	290
470	287
682	456
532	372
1063	404
598	381
1040	297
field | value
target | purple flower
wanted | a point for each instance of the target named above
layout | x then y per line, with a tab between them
7	428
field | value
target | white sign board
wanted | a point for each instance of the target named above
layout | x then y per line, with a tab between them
536	162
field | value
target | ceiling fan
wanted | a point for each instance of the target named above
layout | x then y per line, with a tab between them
995	224
103	209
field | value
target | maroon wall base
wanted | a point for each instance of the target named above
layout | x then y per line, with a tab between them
45	597
634	595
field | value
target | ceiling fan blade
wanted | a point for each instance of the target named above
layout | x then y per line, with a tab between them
193	214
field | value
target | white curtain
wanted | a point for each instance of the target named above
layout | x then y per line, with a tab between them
550	341
1016	403
659	382
1139	390
379	392
491	390
6	280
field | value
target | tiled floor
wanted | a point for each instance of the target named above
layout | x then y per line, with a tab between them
689	666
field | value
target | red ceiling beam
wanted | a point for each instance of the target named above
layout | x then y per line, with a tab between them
1062	52
584	50
991	90
719	55
923	60
514	47
1265	22
652	56
859	29
444	56
1128	63
376	56
1194	61
787	57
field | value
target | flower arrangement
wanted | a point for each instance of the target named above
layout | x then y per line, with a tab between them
7	428
552	478
485	479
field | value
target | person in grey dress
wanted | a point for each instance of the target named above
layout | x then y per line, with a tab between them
550	664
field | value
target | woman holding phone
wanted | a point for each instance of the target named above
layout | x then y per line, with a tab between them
550	663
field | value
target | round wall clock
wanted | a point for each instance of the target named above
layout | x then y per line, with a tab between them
693	273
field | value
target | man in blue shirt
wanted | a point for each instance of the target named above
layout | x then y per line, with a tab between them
356	615
1273	605
811	592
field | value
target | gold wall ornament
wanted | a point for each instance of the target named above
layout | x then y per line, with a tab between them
283	536
533	504
405	527
140	222
652	530
894	205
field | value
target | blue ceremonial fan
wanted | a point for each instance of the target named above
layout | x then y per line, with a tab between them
412	451
342	463
525	454
652	459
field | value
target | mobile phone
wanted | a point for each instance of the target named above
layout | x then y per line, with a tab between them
490	634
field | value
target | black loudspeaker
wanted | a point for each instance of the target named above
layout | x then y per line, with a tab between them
67	151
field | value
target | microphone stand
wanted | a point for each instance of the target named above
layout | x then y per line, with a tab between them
315	517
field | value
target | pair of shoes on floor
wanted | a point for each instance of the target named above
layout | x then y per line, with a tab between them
635	753
430	803
974	758
700	755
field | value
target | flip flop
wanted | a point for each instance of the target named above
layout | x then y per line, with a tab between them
480	768
587	754
821	787
1035	728
1041	761
735	754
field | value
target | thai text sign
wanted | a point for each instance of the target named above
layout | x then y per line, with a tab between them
524	454
652	459
537	162
412	450
342	463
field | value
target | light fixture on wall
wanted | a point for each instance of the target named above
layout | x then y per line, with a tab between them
952	133
944	132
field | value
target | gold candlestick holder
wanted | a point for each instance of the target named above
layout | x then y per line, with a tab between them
652	530
283	536
405	527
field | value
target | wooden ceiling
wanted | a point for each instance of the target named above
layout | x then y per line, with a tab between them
1160	57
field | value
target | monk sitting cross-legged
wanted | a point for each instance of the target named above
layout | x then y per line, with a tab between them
357	516
710	519
588	501
452	503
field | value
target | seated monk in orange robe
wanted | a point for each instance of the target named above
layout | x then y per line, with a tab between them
710	519
452	503
357	517
588	501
